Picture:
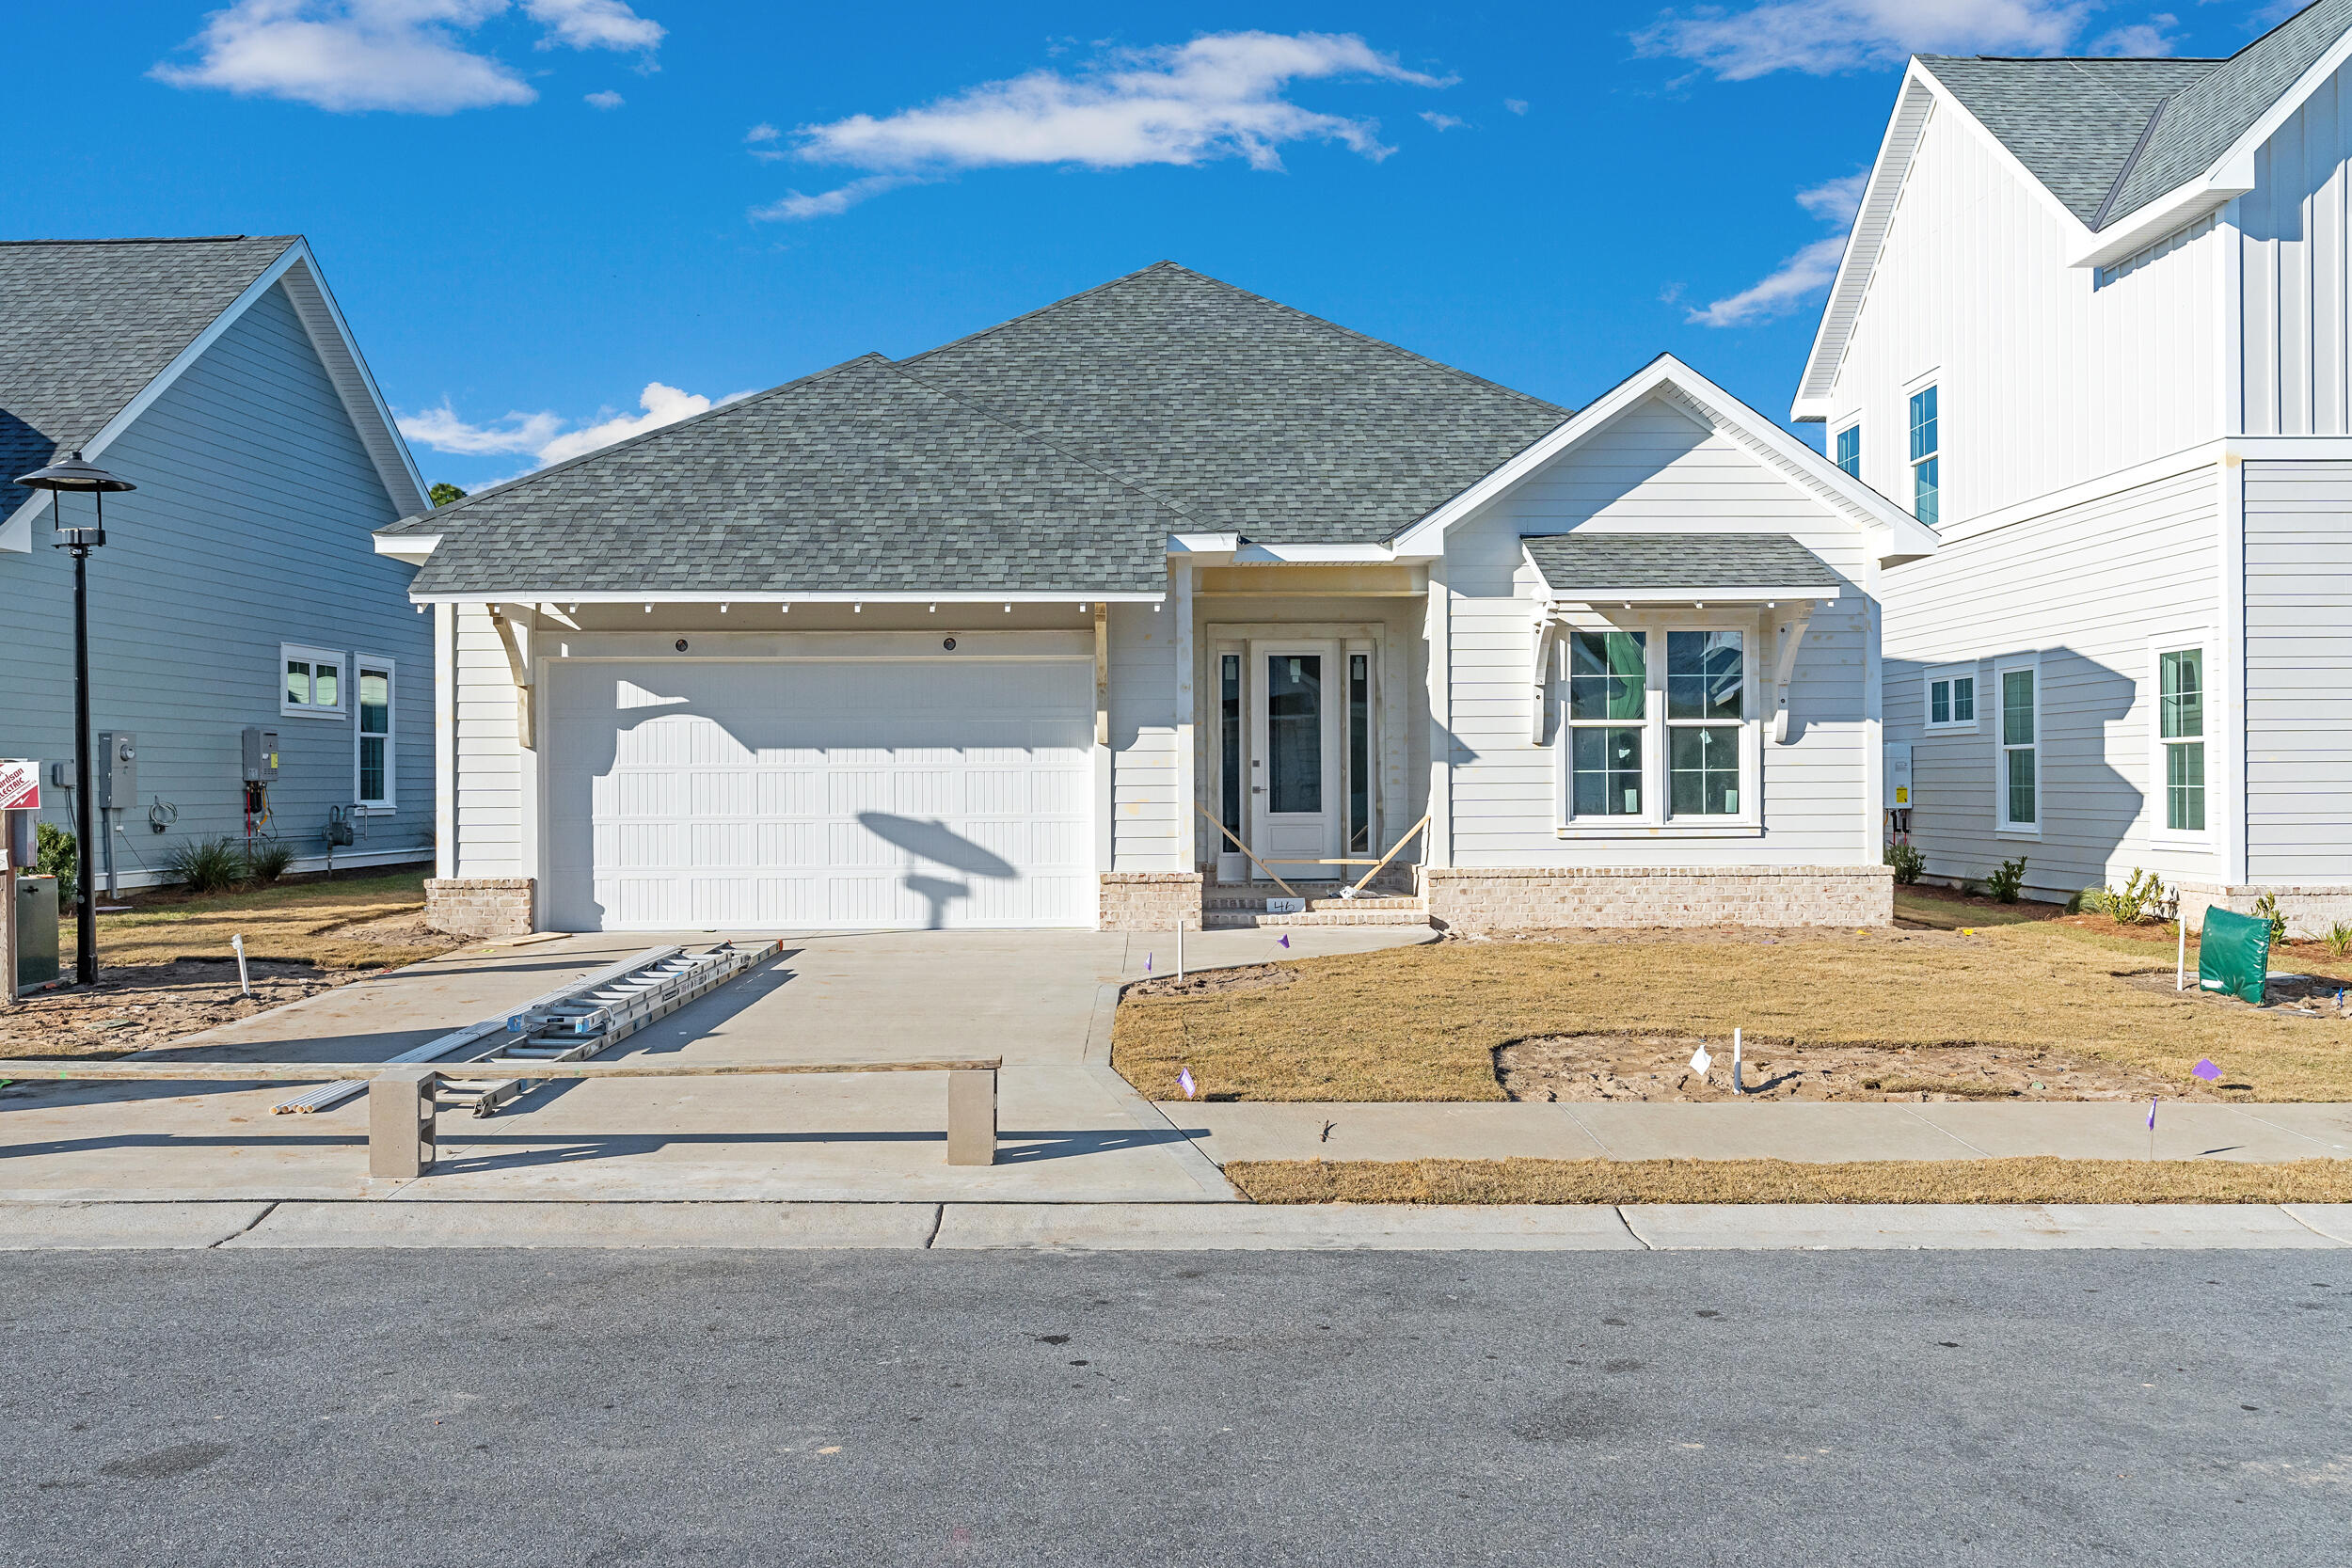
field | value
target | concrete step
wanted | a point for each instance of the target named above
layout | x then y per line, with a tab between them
1363	912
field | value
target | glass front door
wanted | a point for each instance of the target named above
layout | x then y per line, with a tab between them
1296	772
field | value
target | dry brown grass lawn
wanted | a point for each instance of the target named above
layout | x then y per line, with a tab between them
2039	1180
1422	1023
353	922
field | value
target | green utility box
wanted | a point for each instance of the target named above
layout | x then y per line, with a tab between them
35	931
2233	954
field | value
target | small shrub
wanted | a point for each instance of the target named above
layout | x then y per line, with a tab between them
2339	938
2006	883
2143	898
2090	900
267	858
1908	863
2266	908
55	855
207	864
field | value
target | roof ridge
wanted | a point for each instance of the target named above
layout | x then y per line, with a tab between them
1047	442
1306	316
738	404
158	239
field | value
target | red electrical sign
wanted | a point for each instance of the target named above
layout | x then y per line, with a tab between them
20	785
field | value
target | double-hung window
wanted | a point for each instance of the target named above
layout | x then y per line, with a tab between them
1927	463
2018	788
1608	715
310	684
2181	735
375	783
1849	452
1951	699
1659	727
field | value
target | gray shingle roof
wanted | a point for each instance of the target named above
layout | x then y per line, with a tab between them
86	324
2109	137
1584	563
860	478
1246	415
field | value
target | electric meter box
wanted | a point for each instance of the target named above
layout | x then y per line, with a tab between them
261	755
118	769
1899	775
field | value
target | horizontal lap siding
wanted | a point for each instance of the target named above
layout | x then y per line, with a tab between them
250	527
489	804
2087	588
1146	820
1655	468
2298	671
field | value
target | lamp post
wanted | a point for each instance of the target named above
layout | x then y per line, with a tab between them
83	478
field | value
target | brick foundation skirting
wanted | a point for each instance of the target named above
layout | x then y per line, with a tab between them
1150	902
1474	901
2310	908
480	906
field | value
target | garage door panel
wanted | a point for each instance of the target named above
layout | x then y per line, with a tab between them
886	794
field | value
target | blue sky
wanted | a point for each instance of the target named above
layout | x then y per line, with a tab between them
547	217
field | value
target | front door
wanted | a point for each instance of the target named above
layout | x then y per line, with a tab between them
1296	774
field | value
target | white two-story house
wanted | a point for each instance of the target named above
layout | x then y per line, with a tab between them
2094	326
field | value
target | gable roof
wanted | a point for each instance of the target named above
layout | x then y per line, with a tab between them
91	330
860	480
1247	415
2124	151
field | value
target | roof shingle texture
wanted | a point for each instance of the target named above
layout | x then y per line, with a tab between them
2108	136
86	324
859	479
1594	562
1246	415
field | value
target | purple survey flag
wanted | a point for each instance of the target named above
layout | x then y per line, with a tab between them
2151	1114
1184	1081
1286	940
2205	1070
1147	963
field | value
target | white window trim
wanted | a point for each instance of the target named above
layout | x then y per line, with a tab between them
1934	455
2002	826
1656	820
390	737
1969	671
288	708
2159	803
1861	450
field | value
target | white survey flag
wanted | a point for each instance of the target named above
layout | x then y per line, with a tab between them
1701	1061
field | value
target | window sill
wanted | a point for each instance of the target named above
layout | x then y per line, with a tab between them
1970	728
334	713
2164	838
2017	833
1660	830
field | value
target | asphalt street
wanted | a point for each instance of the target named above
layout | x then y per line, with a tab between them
570	1407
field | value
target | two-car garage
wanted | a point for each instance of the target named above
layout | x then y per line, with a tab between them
845	792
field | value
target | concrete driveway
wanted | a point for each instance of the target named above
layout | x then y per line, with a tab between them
1070	1130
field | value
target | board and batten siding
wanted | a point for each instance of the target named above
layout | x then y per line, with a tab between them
2048	376
249	528
2292	231
2298	671
2088	592
1653	468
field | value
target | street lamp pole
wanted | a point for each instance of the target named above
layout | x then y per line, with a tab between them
58	478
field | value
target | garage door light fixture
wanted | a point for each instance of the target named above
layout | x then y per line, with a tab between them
857	609
722	610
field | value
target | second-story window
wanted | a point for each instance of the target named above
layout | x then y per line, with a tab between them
1849	450
1926	457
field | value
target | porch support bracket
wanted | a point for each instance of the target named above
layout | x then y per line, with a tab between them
1789	638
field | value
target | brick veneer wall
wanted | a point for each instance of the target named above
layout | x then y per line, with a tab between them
1473	901
2310	909
1151	900
480	906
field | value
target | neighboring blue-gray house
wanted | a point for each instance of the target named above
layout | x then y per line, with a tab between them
238	586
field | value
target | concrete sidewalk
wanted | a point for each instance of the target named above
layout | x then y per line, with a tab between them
1767	1129
1173	1227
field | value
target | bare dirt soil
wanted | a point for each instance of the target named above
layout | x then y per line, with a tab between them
138	1006
1658	1067
1216	982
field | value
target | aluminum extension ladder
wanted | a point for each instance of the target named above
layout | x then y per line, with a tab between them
576	1021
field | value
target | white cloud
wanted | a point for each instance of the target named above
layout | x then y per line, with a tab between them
1516	106
1220	96
2143	38
1801	276
605	100
762	131
1442	122
542	436
1821	37
593	24
401	54
796	207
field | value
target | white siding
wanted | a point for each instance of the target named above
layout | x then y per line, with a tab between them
2048	377
2087	589
2298	671
2292	229
1655	468
1146	815
489	776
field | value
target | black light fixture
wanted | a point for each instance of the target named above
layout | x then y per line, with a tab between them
83	479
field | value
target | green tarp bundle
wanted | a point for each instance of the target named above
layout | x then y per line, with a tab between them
2233	954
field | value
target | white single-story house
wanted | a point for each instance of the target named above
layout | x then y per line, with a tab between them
1118	613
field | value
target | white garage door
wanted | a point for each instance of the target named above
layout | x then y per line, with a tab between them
907	793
